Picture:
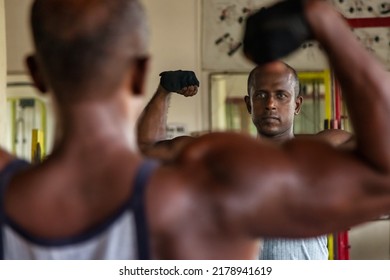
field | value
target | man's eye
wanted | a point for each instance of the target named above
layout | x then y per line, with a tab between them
261	95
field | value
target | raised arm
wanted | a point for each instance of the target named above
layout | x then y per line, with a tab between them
365	83
153	120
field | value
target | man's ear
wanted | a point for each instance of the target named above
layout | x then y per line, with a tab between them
36	75
248	104
298	104
138	80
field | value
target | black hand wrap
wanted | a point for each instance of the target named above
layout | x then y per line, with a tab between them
274	32
174	81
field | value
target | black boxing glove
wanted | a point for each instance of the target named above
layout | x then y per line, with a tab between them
174	81
274	32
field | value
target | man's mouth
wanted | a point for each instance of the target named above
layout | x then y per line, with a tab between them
270	118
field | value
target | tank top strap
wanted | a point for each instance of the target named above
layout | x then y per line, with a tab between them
138	206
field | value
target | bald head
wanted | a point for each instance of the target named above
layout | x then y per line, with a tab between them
84	45
277	67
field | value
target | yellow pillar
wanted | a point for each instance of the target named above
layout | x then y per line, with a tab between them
3	76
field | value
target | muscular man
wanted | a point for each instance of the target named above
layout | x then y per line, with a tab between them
95	197
273	100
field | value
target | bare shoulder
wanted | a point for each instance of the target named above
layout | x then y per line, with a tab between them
166	150
235	159
5	158
176	143
214	143
184	191
334	137
203	165
232	161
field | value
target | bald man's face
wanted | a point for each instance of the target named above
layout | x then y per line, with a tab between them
272	102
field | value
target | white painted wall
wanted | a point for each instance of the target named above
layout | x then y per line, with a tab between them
18	34
3	69
370	241
175	44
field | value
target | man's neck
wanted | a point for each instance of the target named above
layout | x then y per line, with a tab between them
90	124
277	139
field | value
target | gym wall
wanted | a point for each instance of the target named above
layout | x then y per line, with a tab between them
3	67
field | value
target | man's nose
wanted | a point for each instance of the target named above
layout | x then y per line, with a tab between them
270	103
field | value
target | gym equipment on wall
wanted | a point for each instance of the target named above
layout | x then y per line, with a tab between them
27	121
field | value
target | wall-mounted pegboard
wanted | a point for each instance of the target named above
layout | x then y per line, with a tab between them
363	8
223	22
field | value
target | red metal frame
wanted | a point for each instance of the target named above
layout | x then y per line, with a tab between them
342	246
342	243
369	22
337	104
